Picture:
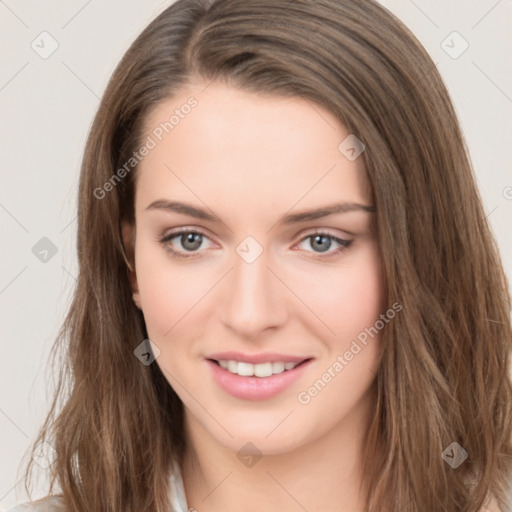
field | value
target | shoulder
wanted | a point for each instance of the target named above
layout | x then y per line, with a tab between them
47	504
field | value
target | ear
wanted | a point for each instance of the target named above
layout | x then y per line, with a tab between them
128	234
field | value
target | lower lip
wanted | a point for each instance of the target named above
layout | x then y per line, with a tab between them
255	388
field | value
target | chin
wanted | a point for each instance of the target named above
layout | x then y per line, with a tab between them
247	442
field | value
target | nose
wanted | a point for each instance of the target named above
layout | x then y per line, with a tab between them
256	299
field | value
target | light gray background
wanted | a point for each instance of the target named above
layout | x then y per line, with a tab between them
47	106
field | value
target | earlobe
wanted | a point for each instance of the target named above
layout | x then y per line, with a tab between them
128	235
136	299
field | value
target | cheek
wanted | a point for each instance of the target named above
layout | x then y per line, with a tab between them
362	300
349	298
169	291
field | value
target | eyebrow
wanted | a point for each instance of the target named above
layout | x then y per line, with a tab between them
317	213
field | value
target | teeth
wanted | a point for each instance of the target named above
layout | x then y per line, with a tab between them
263	370
278	367
245	369
259	370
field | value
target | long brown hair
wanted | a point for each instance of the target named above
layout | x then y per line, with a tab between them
116	424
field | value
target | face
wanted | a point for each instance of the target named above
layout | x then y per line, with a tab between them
255	284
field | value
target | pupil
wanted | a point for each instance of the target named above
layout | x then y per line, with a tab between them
324	246
189	238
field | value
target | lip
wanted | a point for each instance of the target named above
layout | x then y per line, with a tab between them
256	388
266	357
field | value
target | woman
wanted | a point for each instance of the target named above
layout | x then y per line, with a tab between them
337	334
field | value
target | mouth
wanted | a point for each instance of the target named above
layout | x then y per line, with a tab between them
256	381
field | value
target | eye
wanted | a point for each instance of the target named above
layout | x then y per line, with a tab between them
189	240
323	242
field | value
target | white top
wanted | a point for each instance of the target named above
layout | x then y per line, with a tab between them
52	503
178	498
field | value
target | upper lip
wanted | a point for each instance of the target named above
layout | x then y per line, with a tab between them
265	357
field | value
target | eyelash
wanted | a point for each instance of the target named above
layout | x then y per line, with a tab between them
345	244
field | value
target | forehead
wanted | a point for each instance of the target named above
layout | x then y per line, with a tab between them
249	147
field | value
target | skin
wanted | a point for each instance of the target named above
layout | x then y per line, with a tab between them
251	159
